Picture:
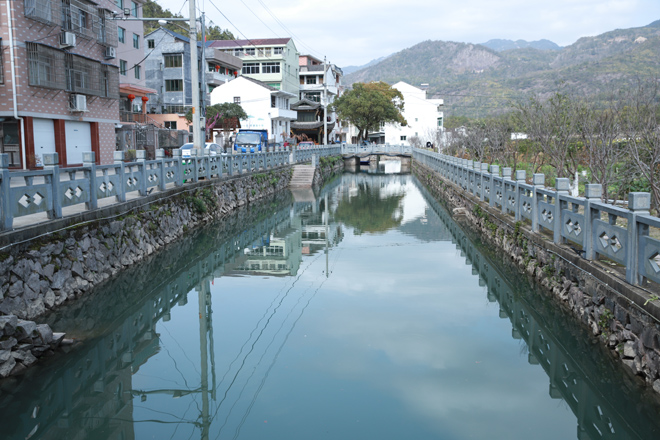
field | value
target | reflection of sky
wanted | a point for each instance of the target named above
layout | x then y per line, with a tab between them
399	342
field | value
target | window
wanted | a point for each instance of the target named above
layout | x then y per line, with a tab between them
260	51
2	79
46	66
249	51
267	51
278	50
173	85
134	9
439	122
137	69
403	138
250	68
151	44
310	80
120	4
122	67
170	125
173	60
121	34
238	52
237	99
271	67
273	101
136	41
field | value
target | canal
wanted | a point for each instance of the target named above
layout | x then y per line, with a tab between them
360	312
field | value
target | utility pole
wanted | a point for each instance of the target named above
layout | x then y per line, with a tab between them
194	73
325	105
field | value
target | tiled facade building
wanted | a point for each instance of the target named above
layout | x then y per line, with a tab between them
59	85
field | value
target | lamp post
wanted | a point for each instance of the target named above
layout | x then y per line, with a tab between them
194	68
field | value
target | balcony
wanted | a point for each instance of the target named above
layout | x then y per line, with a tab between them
216	78
133	117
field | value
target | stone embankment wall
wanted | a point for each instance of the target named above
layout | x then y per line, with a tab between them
614	311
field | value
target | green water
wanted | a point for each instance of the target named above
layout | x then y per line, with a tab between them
365	314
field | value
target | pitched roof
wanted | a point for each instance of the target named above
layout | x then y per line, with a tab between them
249	43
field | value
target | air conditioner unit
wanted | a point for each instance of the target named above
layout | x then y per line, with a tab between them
78	103
110	52
67	39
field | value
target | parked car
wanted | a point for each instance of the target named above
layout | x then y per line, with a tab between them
213	149
305	145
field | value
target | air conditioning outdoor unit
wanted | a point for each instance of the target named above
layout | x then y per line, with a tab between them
110	52
67	39
78	103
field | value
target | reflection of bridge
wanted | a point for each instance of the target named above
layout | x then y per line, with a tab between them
596	406
372	154
92	388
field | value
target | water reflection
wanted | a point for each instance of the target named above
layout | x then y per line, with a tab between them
281	322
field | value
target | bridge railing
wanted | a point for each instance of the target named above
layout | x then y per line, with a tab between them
622	235
53	188
375	149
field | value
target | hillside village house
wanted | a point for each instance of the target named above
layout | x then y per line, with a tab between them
59	80
267	107
273	61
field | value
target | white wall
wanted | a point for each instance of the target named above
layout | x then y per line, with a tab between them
421	114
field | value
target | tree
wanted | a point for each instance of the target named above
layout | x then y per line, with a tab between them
152	9
641	119
367	106
225	116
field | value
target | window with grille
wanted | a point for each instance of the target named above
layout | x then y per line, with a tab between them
271	67
41	10
250	68
78	17
173	60
45	66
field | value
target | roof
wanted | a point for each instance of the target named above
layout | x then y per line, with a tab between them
260	83
312	125
248	43
305	104
176	35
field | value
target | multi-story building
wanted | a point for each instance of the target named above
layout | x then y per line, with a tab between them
320	85
273	61
59	83
423	115
267	108
168	72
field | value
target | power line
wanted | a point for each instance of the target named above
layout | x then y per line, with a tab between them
302	43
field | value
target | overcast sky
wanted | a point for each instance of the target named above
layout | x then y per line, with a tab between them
354	32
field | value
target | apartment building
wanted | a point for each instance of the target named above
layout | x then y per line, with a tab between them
273	61
424	116
59	82
167	66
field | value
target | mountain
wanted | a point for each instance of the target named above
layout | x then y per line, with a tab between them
501	45
351	69
475	80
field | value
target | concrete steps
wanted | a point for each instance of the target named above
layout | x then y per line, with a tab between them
303	176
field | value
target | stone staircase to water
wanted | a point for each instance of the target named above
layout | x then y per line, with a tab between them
303	176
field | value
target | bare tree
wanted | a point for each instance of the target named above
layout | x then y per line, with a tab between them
552	124
497	132
601	132
641	121
474	140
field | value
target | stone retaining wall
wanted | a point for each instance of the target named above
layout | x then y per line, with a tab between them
619	314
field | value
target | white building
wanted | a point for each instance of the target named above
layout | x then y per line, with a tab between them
424	117
267	107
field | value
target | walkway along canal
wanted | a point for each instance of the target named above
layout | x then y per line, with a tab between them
362	312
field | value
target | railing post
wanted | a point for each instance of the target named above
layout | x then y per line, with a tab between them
160	157
484	172
639	203
592	193
521	176
506	176
494	171
206	158
119	160
5	193
141	156
178	173
89	162
562	186
194	160
51	161
538	181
